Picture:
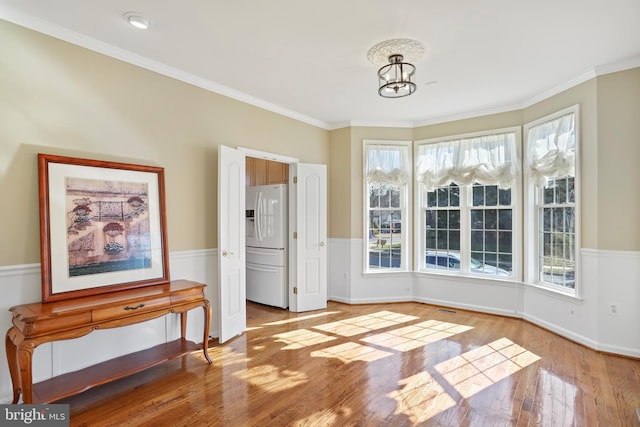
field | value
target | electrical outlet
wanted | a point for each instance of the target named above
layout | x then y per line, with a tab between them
614	308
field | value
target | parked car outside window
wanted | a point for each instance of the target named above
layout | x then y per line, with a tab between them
451	261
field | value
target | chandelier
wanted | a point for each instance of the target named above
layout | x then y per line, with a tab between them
394	78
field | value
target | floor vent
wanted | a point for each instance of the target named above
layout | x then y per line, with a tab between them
446	310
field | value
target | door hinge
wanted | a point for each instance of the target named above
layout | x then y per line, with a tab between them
295	179
295	234
295	289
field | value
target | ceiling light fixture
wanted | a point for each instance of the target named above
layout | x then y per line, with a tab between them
137	20
394	78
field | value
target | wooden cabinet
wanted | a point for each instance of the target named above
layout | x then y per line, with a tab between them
39	323
264	172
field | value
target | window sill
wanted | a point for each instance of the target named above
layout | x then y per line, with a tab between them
500	279
558	292
387	273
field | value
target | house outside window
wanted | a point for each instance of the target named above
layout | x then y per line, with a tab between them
552	200
466	197
387	166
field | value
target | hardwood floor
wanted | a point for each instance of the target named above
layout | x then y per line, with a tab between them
403	364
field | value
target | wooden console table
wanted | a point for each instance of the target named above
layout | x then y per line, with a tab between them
38	323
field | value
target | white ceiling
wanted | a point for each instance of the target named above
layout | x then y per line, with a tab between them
308	60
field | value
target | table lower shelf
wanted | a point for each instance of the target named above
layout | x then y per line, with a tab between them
72	383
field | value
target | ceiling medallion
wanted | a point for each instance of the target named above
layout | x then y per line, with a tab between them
394	78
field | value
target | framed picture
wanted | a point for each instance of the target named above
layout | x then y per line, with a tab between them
102	227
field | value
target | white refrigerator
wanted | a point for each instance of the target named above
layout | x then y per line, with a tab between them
266	246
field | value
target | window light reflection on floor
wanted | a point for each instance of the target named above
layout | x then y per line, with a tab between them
421	397
477	369
365	323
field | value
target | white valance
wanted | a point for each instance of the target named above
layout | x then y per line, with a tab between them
551	149
387	163
487	159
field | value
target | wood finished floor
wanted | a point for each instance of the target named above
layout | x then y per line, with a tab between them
403	364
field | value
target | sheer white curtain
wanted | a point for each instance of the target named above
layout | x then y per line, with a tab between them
488	160
387	163
551	149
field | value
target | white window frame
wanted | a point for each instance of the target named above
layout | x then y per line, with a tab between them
533	194
465	215
405	208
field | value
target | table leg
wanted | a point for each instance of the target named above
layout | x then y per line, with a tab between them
207	326
25	359
183	324
12	359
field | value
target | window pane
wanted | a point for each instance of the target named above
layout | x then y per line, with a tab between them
491	195
454	220
454	240
395	197
504	219
431	199
549	194
454	195
505	262
443	221
505	197
442	239
546	219
490	241
430	219
477	219
374	196
571	190
477	241
443	197
504	242
478	195
491	219
430	239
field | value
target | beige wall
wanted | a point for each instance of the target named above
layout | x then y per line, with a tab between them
339	183
58	98
618	153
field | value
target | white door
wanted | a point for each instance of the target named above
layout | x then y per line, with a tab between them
232	317
308	246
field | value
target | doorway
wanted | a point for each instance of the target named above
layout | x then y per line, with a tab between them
307	236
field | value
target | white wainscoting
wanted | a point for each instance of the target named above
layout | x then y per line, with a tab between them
21	285
606	277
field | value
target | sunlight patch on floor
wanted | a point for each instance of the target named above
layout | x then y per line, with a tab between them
365	323
421	398
415	336
327	417
301	338
351	352
272	379
477	369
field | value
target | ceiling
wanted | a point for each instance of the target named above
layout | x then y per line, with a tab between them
308	60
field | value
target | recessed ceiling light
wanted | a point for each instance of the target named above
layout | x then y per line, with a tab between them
137	20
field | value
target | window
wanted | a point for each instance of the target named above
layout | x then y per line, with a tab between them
387	168
466	198
551	200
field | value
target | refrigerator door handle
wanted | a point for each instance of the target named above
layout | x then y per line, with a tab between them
258	213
